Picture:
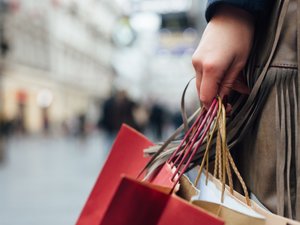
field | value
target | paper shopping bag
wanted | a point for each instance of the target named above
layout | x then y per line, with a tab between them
271	218
141	203
190	192
208	197
126	156
230	216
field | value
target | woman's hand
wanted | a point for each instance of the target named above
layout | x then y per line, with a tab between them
222	53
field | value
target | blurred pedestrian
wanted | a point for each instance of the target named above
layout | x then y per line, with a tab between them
116	110
82	125
141	117
157	119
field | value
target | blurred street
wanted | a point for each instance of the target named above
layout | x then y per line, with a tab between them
71	73
46	180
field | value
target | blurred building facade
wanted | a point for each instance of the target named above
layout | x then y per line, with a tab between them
157	65
65	56
59	60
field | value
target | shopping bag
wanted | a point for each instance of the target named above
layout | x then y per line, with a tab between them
142	203
207	196
214	201
126	156
270	218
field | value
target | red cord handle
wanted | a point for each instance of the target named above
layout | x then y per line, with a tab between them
202	126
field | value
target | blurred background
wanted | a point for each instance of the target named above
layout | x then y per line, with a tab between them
71	72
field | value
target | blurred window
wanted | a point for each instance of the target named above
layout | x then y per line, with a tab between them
176	21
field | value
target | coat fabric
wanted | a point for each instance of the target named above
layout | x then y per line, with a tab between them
253	6
268	154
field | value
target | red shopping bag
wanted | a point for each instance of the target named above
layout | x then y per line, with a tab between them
108	201
115	200
126	156
141	203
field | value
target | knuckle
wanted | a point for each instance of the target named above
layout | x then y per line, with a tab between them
225	89
240	65
210	67
227	83
196	61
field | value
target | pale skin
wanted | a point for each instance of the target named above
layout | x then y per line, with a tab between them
222	53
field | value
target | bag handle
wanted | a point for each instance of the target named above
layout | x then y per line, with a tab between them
185	152
176	133
193	139
203	129
223	158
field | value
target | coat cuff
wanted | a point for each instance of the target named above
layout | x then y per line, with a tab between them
252	6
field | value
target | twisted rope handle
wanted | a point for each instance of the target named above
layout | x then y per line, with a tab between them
206	153
223	159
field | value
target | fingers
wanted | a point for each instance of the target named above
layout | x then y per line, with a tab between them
208	77
228	81
213	80
210	82
233	80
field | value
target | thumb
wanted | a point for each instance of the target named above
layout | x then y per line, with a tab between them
240	85
233	81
